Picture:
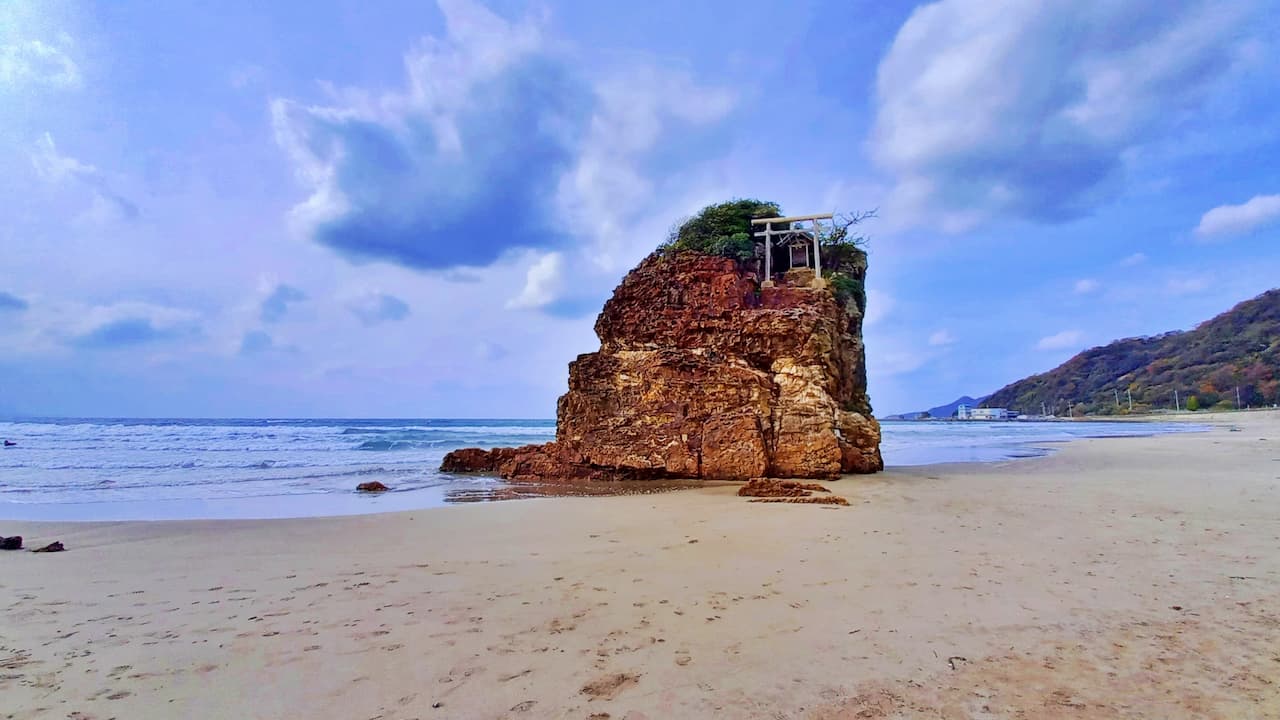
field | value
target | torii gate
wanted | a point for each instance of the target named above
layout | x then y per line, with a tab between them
768	234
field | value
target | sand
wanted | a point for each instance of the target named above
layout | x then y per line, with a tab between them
1118	578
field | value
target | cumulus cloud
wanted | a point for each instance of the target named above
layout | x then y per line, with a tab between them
130	324
122	333
1134	260
34	62
11	303
942	338
376	308
54	167
1061	341
606	191
1026	109
276	305
453	170
1086	286
498	147
542	284
1260	210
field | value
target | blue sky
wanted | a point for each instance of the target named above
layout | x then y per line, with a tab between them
415	209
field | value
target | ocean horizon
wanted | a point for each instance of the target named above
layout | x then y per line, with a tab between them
187	468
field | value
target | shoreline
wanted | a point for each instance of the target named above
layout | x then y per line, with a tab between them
1135	578
470	490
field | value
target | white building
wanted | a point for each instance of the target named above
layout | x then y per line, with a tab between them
964	412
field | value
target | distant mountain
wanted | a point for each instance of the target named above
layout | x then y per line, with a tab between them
1239	349
942	411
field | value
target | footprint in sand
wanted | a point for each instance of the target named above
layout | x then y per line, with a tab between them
609	686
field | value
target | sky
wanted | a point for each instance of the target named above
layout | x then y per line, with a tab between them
337	208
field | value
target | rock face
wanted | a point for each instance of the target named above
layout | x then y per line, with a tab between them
702	373
770	487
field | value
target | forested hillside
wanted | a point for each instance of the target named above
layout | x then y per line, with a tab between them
1238	349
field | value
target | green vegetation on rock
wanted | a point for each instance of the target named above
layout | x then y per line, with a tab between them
723	229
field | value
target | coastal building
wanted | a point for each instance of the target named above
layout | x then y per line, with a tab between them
964	412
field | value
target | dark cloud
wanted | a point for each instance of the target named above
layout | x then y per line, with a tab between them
377	308
12	302
276	305
467	166
125	332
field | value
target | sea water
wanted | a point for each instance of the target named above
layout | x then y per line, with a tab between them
104	469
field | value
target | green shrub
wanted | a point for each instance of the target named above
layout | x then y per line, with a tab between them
738	246
1193	403
846	289
723	229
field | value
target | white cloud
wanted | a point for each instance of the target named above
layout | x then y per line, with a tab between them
1134	260
1026	108
604	193
469	149
1061	341
1086	286
55	167
1236	219
37	63
499	146
942	338
543	283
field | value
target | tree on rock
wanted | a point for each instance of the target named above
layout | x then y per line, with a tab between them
723	229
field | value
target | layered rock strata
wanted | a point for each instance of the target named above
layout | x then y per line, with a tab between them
703	373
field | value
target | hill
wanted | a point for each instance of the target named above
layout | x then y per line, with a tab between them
1239	349
941	411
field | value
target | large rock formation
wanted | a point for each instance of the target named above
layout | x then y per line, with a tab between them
702	373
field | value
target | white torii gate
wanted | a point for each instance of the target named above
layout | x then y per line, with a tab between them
768	234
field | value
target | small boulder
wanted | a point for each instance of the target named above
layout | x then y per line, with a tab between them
11	543
373	486
807	500
51	547
770	487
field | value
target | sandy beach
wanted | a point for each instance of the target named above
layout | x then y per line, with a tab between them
1118	578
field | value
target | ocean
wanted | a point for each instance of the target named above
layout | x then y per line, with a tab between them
121	469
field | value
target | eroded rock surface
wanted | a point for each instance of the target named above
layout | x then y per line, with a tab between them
702	373
772	487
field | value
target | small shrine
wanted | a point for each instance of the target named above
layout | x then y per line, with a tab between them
802	244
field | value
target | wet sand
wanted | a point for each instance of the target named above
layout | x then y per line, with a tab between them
1130	578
